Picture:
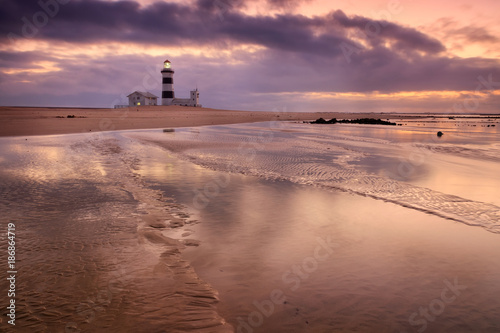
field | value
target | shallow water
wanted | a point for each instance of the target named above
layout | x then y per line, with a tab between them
389	268
455	176
87	258
291	239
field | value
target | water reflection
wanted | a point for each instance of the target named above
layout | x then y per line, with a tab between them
387	261
384	162
86	255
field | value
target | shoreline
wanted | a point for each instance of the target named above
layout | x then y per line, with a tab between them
27	121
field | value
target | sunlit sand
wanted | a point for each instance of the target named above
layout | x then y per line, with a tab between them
260	227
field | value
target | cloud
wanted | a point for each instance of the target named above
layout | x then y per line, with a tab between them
296	55
261	81
376	31
462	38
20	59
472	33
203	23
286	4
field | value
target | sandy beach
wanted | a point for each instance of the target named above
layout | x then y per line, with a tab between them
44	121
220	166
270	226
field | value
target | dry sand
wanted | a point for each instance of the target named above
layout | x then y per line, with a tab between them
42	121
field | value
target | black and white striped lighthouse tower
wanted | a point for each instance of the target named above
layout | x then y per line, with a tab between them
167	93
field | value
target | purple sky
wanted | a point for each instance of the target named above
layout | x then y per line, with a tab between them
298	55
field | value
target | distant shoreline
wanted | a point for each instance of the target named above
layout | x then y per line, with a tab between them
160	107
25	121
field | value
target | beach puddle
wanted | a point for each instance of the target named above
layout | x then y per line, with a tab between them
409	167
289	252
91	253
145	231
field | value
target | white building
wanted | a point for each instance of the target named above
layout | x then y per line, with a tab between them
167	93
138	98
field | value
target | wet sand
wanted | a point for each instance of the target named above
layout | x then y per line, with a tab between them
91	255
115	237
296	255
42	121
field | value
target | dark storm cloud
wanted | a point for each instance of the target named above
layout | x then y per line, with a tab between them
90	21
207	22
302	54
378	30
283	32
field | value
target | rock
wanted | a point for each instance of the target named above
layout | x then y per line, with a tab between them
323	121
369	121
319	121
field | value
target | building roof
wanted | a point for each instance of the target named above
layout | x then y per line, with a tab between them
145	94
166	61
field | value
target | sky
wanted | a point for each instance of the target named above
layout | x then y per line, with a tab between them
286	55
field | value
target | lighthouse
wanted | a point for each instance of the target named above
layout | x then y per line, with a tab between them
167	93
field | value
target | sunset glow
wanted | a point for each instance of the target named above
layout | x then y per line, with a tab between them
303	54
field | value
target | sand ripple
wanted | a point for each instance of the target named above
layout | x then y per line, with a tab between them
91	257
321	157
